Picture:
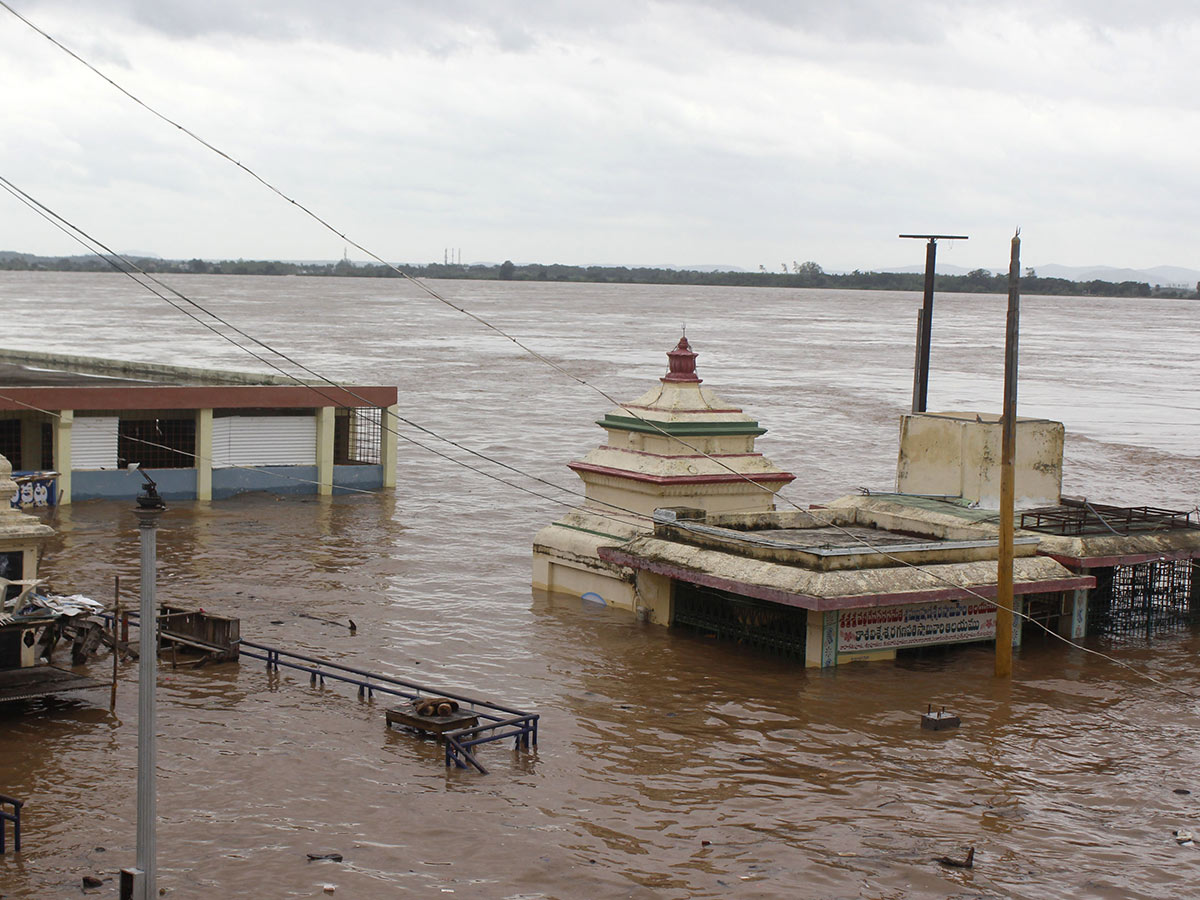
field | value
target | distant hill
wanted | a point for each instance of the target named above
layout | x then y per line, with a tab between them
1167	276
1164	275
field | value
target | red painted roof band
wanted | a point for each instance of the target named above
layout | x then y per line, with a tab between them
771	477
821	604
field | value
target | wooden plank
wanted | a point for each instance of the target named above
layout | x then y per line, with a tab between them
409	718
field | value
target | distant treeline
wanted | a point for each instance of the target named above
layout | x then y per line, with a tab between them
801	275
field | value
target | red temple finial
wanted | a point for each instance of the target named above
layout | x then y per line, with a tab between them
683	363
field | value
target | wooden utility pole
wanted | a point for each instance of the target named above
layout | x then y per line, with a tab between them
921	382
1008	455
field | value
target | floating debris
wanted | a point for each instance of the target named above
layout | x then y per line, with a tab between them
966	863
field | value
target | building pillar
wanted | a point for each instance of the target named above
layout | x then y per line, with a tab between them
325	415
204	451
29	561
1077	624
652	598
388	457
1018	620
62	454
820	647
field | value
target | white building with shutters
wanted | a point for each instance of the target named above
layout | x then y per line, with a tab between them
200	433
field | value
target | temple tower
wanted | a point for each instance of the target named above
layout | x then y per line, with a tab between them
677	445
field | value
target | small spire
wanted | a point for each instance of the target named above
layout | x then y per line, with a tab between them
683	363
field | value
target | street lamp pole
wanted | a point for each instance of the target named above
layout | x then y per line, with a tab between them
149	510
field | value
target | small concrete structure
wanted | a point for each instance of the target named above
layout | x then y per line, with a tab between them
958	455
201	433
678	444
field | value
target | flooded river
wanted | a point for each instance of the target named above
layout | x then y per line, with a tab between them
670	766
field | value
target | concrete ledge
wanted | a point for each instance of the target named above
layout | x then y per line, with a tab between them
125	484
163	374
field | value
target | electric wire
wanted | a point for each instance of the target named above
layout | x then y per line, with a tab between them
529	350
110	256
47	213
421	285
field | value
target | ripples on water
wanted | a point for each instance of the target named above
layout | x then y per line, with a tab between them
671	765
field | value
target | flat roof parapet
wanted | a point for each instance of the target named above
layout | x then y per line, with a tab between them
32	368
826	539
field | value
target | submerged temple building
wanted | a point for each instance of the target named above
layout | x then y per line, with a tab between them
678	444
865	576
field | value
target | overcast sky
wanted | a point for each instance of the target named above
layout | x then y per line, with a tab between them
757	132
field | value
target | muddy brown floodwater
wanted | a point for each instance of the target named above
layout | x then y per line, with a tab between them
670	766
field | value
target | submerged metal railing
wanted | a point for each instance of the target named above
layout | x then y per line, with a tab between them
14	817
501	722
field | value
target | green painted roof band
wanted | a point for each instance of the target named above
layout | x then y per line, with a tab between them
681	429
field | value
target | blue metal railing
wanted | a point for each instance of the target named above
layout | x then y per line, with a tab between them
14	817
500	722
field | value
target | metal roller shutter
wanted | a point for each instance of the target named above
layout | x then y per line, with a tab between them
94	442
264	441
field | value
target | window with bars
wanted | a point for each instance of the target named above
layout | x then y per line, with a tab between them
157	443
358	436
47	446
10	442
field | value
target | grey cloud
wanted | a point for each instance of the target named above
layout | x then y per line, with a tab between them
444	29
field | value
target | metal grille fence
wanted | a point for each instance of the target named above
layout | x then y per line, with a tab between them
769	626
1142	601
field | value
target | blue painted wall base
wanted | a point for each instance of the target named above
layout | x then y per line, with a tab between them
180	484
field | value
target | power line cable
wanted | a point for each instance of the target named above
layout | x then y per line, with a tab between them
328	226
85	239
46	212
436	296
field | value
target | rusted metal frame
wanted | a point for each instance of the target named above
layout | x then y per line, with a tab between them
1097	518
15	818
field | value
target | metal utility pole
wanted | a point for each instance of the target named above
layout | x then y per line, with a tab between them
145	877
1008	456
921	382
